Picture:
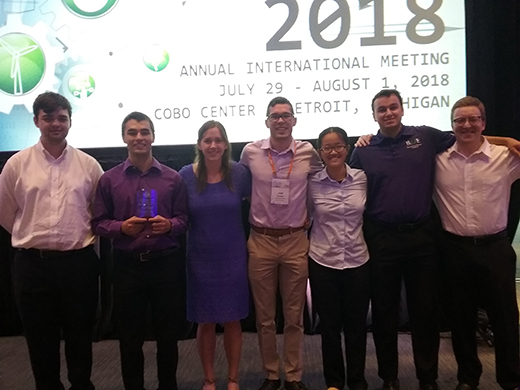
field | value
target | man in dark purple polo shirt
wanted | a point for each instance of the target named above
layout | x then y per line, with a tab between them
141	205
400	163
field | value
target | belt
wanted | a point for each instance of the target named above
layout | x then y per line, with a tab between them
478	240
276	232
401	227
48	254
146	256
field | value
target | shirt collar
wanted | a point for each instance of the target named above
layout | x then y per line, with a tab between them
379	137
485	149
324	176
266	144
155	165
39	146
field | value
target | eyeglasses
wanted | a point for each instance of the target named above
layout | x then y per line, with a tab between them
337	148
286	116
473	120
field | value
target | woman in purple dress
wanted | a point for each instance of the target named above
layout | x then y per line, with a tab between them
217	285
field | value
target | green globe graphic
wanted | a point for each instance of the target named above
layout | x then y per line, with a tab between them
22	64
156	58
81	85
89	8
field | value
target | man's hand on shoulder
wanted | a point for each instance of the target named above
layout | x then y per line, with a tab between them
133	226
512	144
160	225
363	141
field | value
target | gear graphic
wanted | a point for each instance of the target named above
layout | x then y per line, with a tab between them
85	86
52	52
71	69
15	6
67	21
71	24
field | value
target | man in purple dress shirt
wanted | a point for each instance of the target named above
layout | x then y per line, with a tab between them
141	205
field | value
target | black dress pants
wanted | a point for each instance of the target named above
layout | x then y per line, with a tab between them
57	294
397	253
341	299
483	275
137	286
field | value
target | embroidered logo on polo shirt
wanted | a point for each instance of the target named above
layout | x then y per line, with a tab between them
413	143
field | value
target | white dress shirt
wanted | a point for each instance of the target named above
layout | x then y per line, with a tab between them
337	210
46	202
472	193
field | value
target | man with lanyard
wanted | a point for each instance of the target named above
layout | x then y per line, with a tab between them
141	204
46	193
278	242
472	187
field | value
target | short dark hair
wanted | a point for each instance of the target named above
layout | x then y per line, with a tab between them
139	117
49	102
469	101
387	93
279	100
338	130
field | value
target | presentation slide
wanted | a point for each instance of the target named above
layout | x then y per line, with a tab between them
186	62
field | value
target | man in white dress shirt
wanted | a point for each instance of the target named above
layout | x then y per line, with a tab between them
46	193
472	189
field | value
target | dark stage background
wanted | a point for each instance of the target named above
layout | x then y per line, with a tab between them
493	75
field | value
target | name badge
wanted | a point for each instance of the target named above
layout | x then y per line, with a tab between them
280	191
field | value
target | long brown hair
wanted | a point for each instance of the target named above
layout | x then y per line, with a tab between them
200	171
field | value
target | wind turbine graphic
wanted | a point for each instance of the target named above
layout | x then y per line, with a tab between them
16	73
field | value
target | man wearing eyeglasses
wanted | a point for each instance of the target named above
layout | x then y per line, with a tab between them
472	188
278	242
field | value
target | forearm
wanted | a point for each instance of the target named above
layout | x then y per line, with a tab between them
107	227
512	144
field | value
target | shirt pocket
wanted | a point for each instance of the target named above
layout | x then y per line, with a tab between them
493	189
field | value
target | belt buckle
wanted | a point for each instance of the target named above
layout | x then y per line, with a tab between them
144	256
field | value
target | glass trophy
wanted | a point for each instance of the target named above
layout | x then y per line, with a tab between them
146	203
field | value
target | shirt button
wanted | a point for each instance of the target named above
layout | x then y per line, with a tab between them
147	236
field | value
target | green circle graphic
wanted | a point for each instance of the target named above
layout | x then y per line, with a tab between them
22	64
81	85
74	8
156	58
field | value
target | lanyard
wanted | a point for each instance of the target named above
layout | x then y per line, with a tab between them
273	168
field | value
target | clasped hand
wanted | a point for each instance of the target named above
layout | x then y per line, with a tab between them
134	225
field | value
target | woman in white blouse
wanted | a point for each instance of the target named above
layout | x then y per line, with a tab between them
338	269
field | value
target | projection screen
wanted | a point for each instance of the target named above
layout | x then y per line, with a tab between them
185	62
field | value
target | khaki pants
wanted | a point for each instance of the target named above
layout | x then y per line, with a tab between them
279	261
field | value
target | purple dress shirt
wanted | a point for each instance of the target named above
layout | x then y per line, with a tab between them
116	201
